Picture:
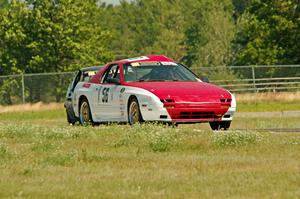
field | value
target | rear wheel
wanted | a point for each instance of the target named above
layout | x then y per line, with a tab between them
134	113
85	117
222	125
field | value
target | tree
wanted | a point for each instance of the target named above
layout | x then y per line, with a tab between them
209	36
48	36
240	6
183	30
4	4
267	33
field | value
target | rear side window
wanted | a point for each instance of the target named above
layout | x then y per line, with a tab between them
110	73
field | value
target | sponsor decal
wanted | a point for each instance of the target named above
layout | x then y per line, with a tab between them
86	85
137	59
168	63
92	73
136	64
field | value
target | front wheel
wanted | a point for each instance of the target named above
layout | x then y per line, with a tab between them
222	125
85	117
134	113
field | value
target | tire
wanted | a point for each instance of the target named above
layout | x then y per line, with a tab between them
134	113
215	126
223	125
71	117
85	116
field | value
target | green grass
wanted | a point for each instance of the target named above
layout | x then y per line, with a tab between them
268	106
41	156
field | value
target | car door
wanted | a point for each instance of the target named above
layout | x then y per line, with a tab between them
106	101
70	93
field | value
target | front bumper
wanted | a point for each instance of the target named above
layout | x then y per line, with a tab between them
189	114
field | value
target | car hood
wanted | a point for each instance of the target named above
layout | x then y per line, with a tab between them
185	91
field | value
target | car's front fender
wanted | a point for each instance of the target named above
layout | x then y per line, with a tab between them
150	105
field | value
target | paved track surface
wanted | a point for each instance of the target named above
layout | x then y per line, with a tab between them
268	114
282	130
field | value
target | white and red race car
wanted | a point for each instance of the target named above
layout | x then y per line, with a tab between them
151	88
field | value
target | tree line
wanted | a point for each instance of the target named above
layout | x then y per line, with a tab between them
39	36
62	35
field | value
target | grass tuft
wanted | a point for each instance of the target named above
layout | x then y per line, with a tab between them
43	147
235	139
161	142
59	159
3	150
293	141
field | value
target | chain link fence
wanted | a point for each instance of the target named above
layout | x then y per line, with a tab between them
31	88
52	87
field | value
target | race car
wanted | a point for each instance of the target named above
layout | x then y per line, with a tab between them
82	75
151	88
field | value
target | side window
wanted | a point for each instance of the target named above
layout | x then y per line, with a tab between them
111	72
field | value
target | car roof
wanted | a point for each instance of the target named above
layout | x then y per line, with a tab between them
147	58
91	68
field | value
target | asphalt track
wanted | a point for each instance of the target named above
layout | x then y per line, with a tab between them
275	130
281	114
268	114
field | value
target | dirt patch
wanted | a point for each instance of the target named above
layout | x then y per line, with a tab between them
31	107
269	97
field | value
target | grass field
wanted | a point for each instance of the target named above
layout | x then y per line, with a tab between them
41	156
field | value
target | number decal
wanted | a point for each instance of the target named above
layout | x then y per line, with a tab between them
99	94
105	92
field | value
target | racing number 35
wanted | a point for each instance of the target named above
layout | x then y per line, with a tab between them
105	92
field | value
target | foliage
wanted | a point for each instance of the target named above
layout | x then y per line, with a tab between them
10	91
46	35
185	31
267	33
39	36
53	36
4	4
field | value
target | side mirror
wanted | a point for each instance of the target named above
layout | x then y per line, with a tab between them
205	79
113	81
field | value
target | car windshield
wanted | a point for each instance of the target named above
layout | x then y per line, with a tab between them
150	72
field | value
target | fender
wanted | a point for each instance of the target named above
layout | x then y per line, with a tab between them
150	105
